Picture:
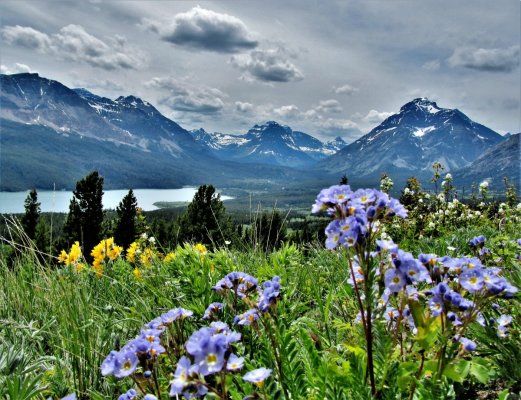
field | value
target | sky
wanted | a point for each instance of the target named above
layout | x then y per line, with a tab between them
327	68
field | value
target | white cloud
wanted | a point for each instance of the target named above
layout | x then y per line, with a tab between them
272	65
18	68
73	43
243	107
329	106
288	111
189	97
203	29
345	89
374	116
494	60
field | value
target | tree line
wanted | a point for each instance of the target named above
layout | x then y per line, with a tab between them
205	221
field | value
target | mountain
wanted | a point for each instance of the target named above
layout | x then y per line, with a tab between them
51	135
502	160
408	143
269	143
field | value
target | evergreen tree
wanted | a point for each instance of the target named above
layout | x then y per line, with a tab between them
205	219
125	232
32	214
85	217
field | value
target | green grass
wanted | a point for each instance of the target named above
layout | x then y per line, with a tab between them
57	326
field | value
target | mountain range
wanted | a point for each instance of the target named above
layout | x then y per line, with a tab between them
52	135
269	143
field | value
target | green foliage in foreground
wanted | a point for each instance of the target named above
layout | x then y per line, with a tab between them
57	325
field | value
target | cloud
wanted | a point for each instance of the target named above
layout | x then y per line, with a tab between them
329	106
203	29
243	107
374	116
337	126
270	65
289	111
433	65
492	60
189	97
18	68
345	89
73	43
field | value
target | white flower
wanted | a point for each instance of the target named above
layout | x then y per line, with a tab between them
448	176
152	239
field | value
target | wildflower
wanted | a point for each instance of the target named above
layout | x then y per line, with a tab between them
257	376
472	280
248	318
270	294
182	376
386	245
394	280
150	397
212	309
146	257
468	345
504	320
125	363
107	367
334	234
137	273
169	257
234	363
477	241
132	251
62	258
201	248
129	395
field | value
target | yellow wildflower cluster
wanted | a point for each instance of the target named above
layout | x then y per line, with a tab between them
169	257
142	253
74	258
104	251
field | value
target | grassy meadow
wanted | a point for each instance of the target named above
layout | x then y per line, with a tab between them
61	317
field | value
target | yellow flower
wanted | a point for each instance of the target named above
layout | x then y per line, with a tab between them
147	257
79	267
169	257
131	252
201	248
137	273
115	252
75	253
62	258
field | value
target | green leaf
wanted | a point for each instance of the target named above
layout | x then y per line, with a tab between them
457	371
503	395
480	370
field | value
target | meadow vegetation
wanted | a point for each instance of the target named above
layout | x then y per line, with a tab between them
413	297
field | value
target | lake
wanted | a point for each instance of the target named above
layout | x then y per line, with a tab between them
13	202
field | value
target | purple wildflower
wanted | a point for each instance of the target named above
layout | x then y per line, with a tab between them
257	376
394	280
468	345
212	309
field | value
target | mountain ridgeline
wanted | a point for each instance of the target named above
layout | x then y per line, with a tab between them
52	135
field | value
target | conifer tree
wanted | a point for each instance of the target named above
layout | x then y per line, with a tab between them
205	219
85	217
125	231
32	214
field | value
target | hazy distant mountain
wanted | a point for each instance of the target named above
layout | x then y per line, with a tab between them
51	134
408	143
269	143
502	160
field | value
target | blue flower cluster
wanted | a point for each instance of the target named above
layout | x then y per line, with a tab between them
239	283
211	350
451	280
144	349
353	212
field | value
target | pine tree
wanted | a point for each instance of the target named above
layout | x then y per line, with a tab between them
205	219
125	231
32	214
85	217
